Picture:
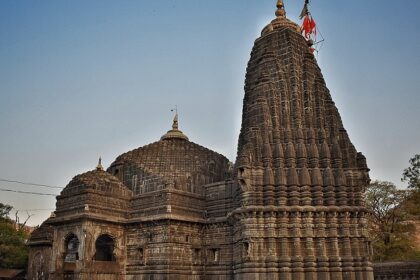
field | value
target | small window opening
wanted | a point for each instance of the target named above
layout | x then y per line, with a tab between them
140	254
212	167
197	252
196	255
241	172
105	248
189	184
187	238
246	249
215	255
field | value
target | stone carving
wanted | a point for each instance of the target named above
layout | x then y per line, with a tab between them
289	208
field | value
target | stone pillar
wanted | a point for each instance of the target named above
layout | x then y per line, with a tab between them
334	258
284	260
297	264
309	260
323	261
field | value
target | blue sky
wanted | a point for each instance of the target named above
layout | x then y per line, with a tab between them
82	79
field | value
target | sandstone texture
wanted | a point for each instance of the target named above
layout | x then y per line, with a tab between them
290	208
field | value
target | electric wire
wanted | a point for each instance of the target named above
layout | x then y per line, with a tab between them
29	184
34	210
25	192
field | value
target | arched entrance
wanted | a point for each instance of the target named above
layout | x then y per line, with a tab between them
104	246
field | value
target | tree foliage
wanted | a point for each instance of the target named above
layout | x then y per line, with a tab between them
5	210
411	205
13	251
390	228
412	173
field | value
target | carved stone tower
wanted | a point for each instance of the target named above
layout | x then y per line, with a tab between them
301	214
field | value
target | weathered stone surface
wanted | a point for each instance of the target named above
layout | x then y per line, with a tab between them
173	162
290	208
40	252
409	270
312	224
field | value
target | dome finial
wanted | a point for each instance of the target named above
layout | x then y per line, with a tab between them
175	122
174	133
99	166
280	12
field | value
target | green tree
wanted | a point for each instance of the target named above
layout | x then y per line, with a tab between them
13	251
5	210
389	227
412	173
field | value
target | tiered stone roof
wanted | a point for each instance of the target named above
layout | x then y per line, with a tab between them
43	235
97	180
95	192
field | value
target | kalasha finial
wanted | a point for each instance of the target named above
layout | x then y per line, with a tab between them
99	166
175	122
281	12
174	133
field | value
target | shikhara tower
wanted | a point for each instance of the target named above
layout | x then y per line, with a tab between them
290	208
301	179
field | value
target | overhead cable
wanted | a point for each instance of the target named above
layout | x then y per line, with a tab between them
23	192
30	184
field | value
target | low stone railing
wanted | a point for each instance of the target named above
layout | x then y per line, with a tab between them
404	270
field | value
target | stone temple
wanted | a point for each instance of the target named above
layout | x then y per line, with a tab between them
290	208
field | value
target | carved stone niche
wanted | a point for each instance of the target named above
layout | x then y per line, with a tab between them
197	255
141	255
246	249
213	255
71	253
243	179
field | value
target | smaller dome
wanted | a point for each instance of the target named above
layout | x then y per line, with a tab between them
41	235
96	180
95	193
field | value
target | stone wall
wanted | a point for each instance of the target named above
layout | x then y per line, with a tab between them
408	270
39	255
39	259
83	264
